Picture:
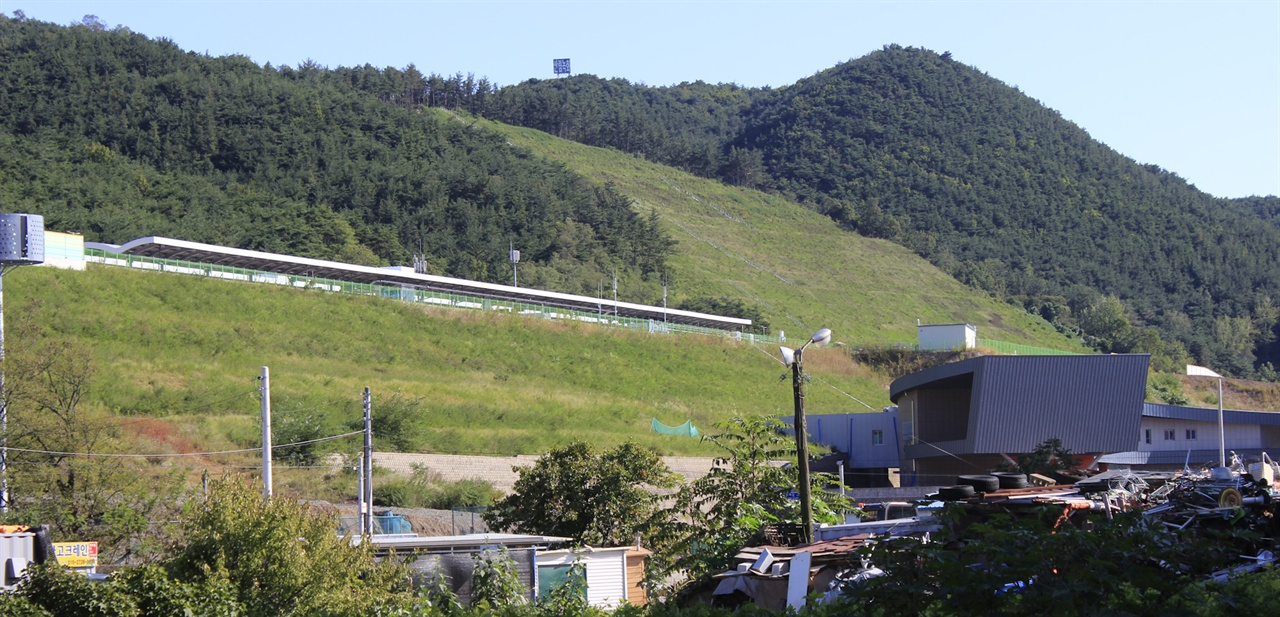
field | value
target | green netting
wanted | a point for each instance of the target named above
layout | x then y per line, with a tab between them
684	430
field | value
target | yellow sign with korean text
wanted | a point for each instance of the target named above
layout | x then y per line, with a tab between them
76	554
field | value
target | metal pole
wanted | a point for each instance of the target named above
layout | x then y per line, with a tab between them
840	464
368	461
360	505
802	449
1222	435
4	412
266	433
664	300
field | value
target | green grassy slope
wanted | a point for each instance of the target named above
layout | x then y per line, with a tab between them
189	350
799	266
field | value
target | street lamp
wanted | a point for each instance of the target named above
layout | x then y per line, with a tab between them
795	359
1200	371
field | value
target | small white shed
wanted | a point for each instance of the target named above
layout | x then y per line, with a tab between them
613	574
938	337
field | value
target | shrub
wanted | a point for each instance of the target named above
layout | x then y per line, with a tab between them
425	489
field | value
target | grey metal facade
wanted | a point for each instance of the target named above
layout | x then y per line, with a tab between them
1010	404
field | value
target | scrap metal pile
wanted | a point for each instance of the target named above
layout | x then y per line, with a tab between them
1238	495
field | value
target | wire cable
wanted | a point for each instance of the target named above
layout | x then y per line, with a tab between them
182	454
824	382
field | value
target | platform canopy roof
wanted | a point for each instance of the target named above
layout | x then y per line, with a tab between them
168	248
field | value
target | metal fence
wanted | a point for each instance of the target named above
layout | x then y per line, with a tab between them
1014	349
409	293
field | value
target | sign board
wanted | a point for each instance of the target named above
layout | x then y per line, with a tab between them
560	66
76	554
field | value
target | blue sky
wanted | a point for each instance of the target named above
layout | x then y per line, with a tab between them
1193	87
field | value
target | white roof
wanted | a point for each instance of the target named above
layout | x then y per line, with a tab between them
168	248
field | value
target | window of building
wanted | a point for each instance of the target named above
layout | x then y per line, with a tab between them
1170	434
877	438
1191	433
1148	435
550	577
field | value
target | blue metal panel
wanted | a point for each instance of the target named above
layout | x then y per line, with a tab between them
852	434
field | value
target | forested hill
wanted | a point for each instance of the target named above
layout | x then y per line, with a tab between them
117	136
989	184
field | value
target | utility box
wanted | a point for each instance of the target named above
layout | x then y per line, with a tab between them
21	546
941	337
21	239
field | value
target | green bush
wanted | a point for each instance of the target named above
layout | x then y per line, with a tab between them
424	489
279	558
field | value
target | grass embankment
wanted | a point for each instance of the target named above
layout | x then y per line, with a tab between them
179	357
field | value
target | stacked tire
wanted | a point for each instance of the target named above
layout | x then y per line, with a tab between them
1009	479
983	483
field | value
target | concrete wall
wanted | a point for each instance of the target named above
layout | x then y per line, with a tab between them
1238	436
946	336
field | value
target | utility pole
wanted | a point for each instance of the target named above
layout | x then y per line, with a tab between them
360	495
795	359
515	259
266	432
802	448
664	298
368	463
21	243
615	293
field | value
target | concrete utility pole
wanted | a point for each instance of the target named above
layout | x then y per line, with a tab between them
266	432
368	462
360	495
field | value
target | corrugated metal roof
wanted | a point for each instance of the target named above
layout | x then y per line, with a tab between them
1174	457
169	248
1204	414
1093	403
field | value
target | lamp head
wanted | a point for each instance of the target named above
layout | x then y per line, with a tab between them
788	355
821	337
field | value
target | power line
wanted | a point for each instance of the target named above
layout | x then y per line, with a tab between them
824	382
174	455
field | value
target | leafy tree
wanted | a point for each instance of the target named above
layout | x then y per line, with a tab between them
278	557
599	499
62	592
494	581
1048	458
719	513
